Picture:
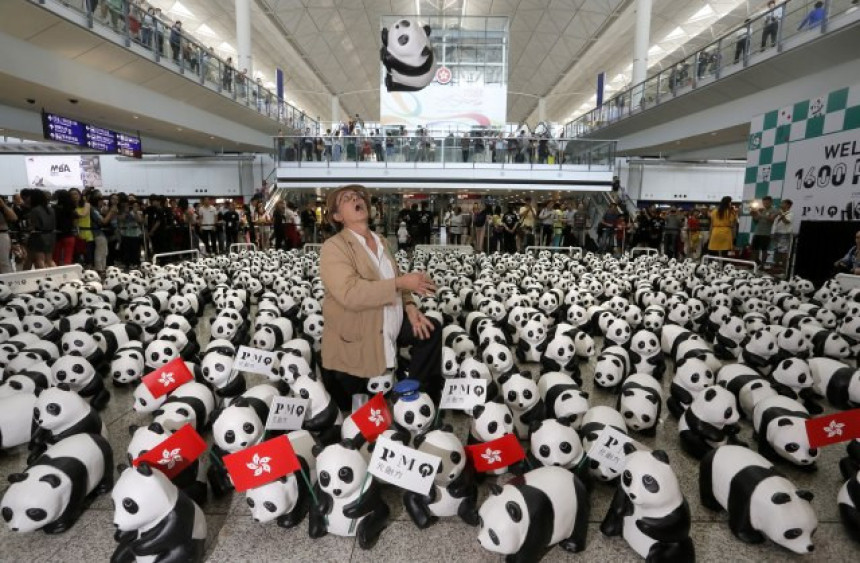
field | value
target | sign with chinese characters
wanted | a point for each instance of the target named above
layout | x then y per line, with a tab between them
402	466
608	449
66	130
463	394
287	413
254	360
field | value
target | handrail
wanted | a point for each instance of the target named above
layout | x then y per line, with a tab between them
242	246
570	250
28	280
141	32
726	55
311	247
709	258
848	281
643	250
155	257
461	248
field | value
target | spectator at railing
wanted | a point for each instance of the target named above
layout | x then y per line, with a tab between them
175	40
742	38
189	54
242	83
227	77
814	18
146	26
771	24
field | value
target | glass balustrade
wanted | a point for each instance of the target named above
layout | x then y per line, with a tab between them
760	37
448	151
141	30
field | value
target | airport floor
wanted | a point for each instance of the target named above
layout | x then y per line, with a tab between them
234	536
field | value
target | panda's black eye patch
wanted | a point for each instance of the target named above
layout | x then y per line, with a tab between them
791	447
409	417
793	533
129	505
527	394
626	477
456	457
53	409
7	513
425	410
345	474
229	436
324	478
250	501
651	485
270	506
565	447
36	514
492	427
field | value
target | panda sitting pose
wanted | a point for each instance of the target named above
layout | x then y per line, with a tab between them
413	410
81	377
323	418
641	402
155	520
532	513
521	394
349	502
53	491
646	355
58	414
407	56
189	480
562	397
761	502
649	510
454	492
553	442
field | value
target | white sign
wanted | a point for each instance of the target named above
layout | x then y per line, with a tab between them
442	105
608	449
463	394
287	413
402	466
63	171
28	280
822	177
254	360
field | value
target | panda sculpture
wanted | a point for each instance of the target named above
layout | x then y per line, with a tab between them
407	56
532	341
16	417
554	442
691	376
192	403
522	396
80	375
837	382
155	521
562	397
454	491
646	356
761	502
286	500
413	412
641	403
595	420
747	385
53	491
348	501
780	431
113	337
59	413
530	514
649	510
322	417
241	424
709	422
613	365
145	438
127	365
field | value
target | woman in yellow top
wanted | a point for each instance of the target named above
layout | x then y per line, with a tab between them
723	220
85	243
496	233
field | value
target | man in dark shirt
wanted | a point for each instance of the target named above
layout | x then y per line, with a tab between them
510	222
155	225
425	224
309	220
656	227
231	223
672	232
606	229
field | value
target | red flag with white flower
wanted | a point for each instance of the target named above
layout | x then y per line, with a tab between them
261	464
176	453
499	453
167	378
833	428
373	418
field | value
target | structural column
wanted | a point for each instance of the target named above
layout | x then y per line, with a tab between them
243	37
335	110
541	109
641	39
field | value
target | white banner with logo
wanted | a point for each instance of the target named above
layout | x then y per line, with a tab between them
822	177
63	171
402	466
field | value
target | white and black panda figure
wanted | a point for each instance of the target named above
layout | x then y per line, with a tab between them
16	419
190	480
595	420
792	378
747	385
381	383
80	343
54	489
473	368
286	500
155	521
532	342
111	338
407	56
413	411
617	333
498	357
147	320
641	403
761	502
837	382
554	442
691	376
613	365
454	491
521	394
322	417
532	513
562	397
348	501
273	334
760	351
646	356
59	413
649	510
780	431
490	421
730	339
127	365
848	500
290	367
559	352
81	377
709	422
192	403
217	369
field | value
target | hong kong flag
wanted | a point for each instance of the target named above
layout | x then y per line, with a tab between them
167	378
176	453
373	418
833	428
261	464
496	454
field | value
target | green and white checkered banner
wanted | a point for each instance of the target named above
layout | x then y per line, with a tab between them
808	152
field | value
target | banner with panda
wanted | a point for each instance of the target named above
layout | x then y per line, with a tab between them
408	56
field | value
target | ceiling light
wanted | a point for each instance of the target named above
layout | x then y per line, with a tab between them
205	31
180	10
224	46
676	33
704	13
655	50
135	117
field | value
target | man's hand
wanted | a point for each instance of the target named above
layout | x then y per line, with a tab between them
421	325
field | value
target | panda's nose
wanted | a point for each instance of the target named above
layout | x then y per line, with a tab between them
403	40
336	492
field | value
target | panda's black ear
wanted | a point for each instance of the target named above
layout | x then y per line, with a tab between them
514	511
478	411
495	489
51	479
661	455
156	427
780	498
17	477
132	428
427	30
144	469
37	391
64	387
121	467
566	420
805	495
710	394
384	37
505	377
629	448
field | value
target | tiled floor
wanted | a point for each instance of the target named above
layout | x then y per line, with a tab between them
233	536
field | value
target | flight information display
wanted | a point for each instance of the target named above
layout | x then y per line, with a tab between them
65	130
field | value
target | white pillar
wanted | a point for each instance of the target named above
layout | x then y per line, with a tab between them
541	109
335	110
641	39
243	37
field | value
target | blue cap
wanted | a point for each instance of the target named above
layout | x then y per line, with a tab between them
408	389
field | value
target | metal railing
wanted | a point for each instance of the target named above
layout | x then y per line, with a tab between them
738	261
128	24
759	38
848	281
569	249
643	250
458	248
239	246
311	247
156	257
449	151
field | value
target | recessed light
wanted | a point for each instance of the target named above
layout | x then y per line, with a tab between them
211	137
135	117
179	128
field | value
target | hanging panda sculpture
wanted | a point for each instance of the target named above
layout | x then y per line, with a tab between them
407	56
